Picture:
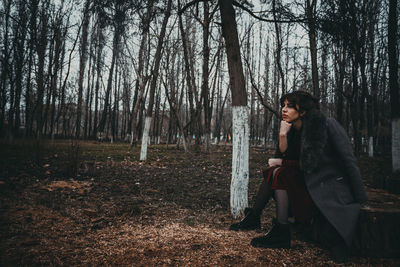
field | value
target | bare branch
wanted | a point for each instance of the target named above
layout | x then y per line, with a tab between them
266	20
260	97
191	4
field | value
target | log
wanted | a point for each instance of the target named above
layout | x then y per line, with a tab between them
378	231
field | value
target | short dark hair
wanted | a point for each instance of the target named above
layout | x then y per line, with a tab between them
301	99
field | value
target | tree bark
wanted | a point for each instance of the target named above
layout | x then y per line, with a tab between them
99	53
58	54
154	77
310	13
393	83
89	91
205	76
189	79
4	67
115	51
240	153
20	39
142	78
32	40
278	47
82	64
41	46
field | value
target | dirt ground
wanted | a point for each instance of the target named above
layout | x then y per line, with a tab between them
92	204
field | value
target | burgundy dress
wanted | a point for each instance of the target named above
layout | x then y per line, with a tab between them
290	177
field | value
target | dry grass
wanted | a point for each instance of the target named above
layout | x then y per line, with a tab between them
170	211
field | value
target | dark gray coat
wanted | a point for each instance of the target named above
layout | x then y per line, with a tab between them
331	173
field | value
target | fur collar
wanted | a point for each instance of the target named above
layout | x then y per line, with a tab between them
314	137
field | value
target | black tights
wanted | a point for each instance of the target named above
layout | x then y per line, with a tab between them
282	206
282	202
263	195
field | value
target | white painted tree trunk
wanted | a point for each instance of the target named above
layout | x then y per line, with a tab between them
371	147
240	160
396	144
145	138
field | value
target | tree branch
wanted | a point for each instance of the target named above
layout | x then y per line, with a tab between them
263	19
261	98
190	4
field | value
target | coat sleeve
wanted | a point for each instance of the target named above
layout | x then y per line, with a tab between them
342	146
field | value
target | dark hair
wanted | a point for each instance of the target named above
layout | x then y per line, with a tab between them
301	101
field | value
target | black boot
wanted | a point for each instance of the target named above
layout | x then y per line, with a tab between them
277	237
249	222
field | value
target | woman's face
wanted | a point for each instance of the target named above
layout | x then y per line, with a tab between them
289	113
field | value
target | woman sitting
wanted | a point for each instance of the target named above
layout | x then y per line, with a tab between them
314	175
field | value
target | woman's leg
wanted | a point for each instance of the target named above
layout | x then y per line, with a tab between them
282	206
251	220
279	235
263	195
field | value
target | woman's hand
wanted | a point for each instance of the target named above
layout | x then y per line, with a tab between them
285	128
274	162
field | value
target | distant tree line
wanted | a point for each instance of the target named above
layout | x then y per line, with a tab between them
97	69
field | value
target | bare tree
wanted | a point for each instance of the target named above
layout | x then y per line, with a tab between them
120	10
311	17
41	46
190	79
154	77
59	38
171	87
5	68
142	77
33	7
205	74
99	53
82	63
240	135
20	29
393	82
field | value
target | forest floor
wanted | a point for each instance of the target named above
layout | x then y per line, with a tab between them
90	204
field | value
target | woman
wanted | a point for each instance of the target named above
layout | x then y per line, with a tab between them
314	176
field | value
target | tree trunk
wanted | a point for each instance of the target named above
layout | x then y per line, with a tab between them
376	234
310	12
82	64
393	83
157	58
100	45
19	63
240	131
340	73
41	52
278	47
355	109
205	76
189	79
4	67
57	53
89	92
106	107
142	78
32	40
